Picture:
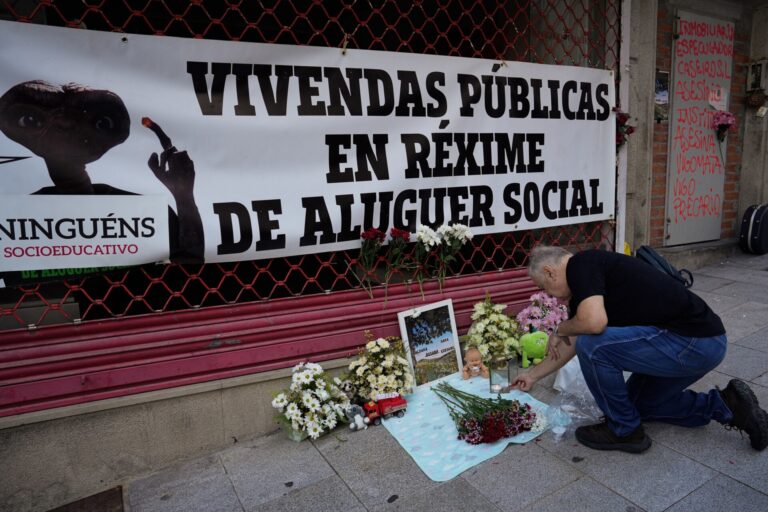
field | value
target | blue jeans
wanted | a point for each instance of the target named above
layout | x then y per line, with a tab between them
663	365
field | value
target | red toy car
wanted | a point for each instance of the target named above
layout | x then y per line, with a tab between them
384	407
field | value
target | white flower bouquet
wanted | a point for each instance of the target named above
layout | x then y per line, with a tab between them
493	333
381	368
445	242
313	404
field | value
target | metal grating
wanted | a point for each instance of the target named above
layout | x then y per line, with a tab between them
568	32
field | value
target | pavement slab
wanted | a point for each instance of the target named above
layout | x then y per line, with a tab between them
743	363
270	467
373	465
454	496
705	283
745	319
171	488
758	340
519	476
716	448
723	494
584	495
653	480
323	496
746	291
734	272
720	304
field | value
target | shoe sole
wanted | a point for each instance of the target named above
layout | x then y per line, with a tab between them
759	416
622	447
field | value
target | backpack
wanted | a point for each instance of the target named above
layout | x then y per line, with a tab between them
656	260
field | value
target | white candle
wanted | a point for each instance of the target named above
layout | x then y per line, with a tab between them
495	388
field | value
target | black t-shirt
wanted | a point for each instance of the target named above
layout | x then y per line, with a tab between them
635	293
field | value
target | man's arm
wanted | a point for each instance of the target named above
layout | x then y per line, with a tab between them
525	380
590	318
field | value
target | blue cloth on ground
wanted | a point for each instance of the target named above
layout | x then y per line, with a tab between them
429	435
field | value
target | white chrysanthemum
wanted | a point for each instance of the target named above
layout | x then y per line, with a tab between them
540	424
314	405
370	345
314	368
322	394
337	381
299	367
483	349
314	430
427	237
388	361
374	349
361	370
382	343
330	422
402	361
280	401
371	379
306	377
291	408
320	383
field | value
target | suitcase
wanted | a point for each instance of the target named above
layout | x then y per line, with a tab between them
753	237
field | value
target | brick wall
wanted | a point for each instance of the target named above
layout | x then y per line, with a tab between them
664	46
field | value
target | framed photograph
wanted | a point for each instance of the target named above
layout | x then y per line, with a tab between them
756	76
431	341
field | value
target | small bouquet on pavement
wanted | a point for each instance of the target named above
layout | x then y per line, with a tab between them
381	368
313	404
492	332
486	420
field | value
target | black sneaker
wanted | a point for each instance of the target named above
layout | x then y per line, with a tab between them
600	437
747	414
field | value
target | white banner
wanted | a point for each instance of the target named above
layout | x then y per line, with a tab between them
266	150
37	232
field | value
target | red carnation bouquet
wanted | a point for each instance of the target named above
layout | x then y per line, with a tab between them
485	420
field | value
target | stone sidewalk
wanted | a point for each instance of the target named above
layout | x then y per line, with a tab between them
703	469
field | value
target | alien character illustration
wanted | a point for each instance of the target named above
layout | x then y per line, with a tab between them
70	126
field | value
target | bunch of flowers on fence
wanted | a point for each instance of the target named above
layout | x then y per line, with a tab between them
543	314
380	368
372	240
398	241
623	128
452	238
492	332
313	403
485	420
722	122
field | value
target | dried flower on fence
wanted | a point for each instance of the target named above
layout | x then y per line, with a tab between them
623	128
398	241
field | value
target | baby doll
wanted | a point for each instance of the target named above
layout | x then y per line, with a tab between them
473	365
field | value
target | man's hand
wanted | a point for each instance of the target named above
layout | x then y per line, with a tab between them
523	382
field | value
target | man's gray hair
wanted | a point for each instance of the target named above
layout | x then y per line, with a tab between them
544	255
